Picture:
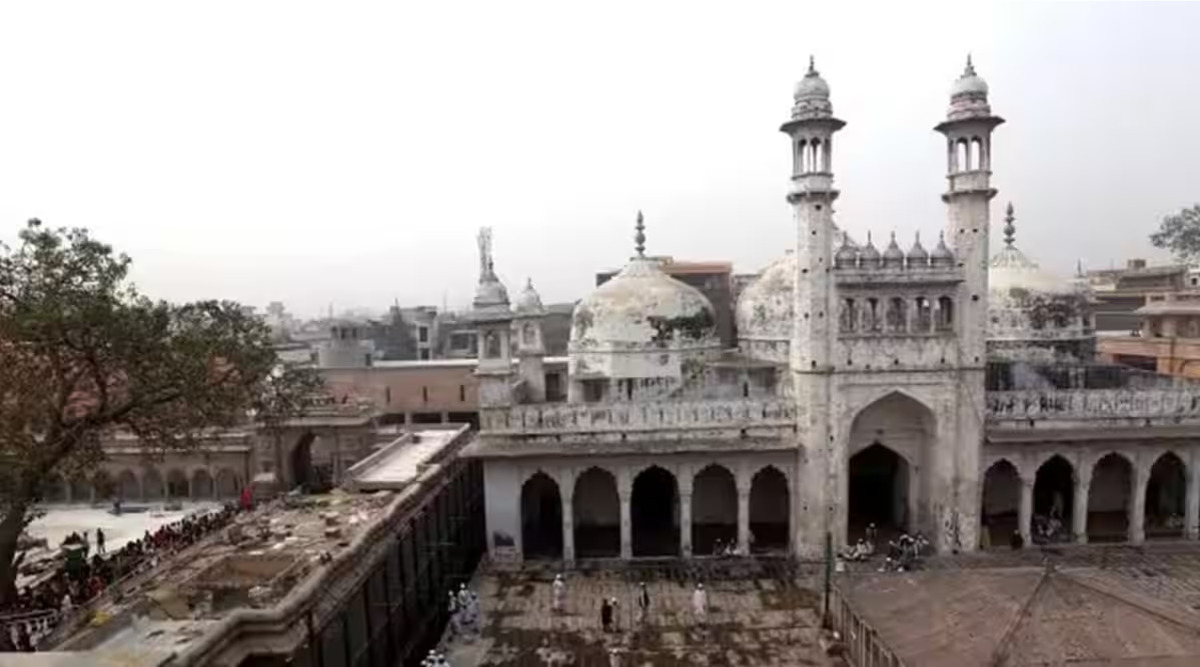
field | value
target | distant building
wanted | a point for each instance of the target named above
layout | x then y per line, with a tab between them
1120	292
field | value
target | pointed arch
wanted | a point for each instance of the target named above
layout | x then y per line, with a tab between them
1166	497
1110	497
128	486
655	513
714	509
177	485
202	485
227	483
54	489
541	517
770	510
596	510
104	487
152	484
1001	505
889	486
1054	499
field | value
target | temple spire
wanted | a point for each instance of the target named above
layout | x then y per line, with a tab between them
640	237
1010	230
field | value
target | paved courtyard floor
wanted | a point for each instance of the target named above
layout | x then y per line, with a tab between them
758	616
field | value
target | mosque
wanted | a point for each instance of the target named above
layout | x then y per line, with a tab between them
950	390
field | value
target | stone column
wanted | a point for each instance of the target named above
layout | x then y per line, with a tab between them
1079	509
1137	507
626	526
568	527
744	520
685	522
1025	514
1191	508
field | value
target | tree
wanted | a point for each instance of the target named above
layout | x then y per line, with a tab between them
1180	233
83	354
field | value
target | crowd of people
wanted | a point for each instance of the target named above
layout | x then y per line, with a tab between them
79	579
903	554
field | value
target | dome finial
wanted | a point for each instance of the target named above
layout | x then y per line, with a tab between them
1010	230
640	237
812	66
970	69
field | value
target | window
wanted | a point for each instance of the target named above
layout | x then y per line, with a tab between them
924	315
425	394
945	313
593	391
462	394
871	319
491	345
527	334
460	340
897	315
848	318
387	395
423	354
423	334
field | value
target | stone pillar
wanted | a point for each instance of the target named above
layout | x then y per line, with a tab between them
685	522
626	526
744	521
1025	515
1137	507
568	526
1079	509
1191	508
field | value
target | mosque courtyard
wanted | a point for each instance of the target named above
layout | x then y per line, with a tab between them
759	613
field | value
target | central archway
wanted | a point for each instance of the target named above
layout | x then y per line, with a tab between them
1109	499
879	493
655	513
1166	494
714	509
303	474
597	512
889	445
541	518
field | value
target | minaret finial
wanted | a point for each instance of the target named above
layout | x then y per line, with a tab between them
868	237
640	237
1010	230
970	69
812	65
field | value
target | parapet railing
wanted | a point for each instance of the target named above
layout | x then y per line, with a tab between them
1093	403
631	417
862	642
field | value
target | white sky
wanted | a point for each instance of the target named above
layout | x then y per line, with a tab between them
346	153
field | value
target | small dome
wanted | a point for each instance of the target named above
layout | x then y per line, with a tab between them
765	307
811	96
491	294
528	302
893	256
969	83
917	256
968	96
941	255
847	255
869	256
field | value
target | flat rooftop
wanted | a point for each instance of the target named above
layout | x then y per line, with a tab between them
400	462
758	615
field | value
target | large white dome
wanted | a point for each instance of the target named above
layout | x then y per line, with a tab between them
642	307
765	311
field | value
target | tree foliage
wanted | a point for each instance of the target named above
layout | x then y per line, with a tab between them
83	354
1180	233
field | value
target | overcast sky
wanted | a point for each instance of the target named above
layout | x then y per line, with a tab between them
346	153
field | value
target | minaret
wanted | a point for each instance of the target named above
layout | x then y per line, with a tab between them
493	326
531	350
811	129
956	479
968	129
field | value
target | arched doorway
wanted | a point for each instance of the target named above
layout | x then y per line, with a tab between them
303	474
177	485
886	472
770	511
130	489
714	509
597	515
1109	499
1166	494
879	493
655	513
81	490
541	518
227	483
152	484
1053	501
202	485
999	515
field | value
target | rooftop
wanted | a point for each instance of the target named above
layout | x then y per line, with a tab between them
758	614
400	461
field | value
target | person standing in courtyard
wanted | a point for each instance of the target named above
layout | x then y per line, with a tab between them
643	603
606	615
100	541
700	603
559	593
